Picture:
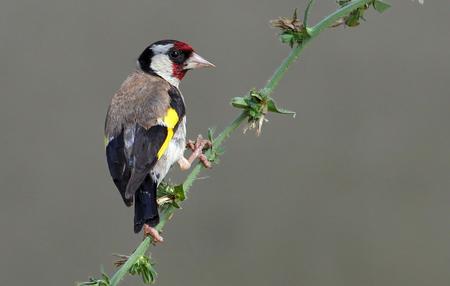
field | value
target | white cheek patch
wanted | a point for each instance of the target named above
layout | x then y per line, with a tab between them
162	65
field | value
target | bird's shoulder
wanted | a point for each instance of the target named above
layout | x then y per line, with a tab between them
142	98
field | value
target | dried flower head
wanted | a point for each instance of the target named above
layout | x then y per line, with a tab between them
288	24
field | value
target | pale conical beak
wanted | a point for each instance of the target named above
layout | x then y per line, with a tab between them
195	62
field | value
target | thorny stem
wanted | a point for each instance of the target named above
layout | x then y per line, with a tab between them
282	69
219	140
337	15
216	143
313	32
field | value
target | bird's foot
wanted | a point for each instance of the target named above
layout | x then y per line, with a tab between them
184	164
197	147
153	233
204	160
199	144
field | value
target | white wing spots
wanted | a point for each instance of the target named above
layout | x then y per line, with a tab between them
128	137
160	121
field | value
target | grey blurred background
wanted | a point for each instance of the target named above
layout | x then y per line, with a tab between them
353	191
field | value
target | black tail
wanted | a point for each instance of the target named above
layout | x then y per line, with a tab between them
145	205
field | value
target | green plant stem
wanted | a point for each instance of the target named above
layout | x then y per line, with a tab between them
219	140
216	143
313	32
123	270
282	69
337	15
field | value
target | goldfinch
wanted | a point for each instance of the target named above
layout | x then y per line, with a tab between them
145	128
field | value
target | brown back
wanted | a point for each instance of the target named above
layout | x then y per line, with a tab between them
142	99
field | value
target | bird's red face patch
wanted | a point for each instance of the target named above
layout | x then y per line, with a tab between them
177	68
178	71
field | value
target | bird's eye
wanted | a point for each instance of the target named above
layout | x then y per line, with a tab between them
174	54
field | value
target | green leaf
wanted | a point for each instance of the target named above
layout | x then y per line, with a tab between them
144	268
381	6
353	19
105	278
343	2
153	274
239	102
175	205
92	282
146	278
253	105
211	132
286	38
272	107
165	189
256	94
180	194
96	282
305	17
219	150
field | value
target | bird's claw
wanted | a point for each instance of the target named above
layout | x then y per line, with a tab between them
197	147
153	233
199	143
205	161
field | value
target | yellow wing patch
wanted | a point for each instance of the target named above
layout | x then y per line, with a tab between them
170	120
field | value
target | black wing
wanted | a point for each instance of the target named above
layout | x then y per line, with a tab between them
146	145
130	158
118	168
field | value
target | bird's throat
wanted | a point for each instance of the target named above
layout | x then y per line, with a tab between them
178	71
